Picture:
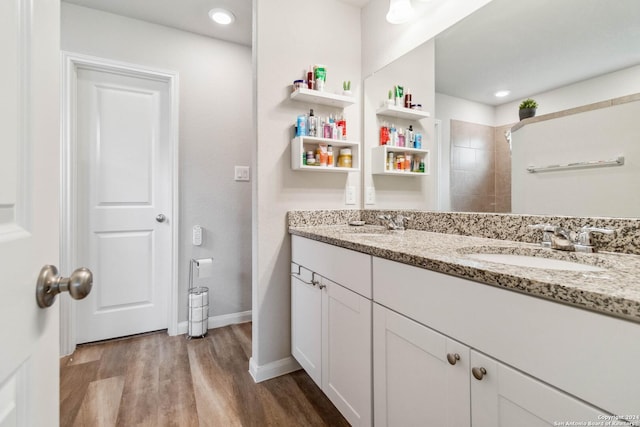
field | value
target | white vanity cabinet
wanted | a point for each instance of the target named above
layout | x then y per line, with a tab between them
546	363
420	377
331	324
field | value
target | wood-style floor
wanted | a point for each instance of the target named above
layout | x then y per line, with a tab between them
157	380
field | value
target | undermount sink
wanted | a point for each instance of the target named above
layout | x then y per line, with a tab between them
533	262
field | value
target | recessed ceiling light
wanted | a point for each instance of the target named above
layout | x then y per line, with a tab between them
221	16
502	93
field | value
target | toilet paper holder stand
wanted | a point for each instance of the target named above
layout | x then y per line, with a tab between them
193	330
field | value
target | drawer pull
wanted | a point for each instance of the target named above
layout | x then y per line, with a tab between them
479	373
453	358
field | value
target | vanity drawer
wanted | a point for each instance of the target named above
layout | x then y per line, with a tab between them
348	268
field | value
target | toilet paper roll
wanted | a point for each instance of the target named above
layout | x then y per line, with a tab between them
198	314
197	329
204	267
196	300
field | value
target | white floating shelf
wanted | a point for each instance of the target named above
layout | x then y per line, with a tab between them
402	113
379	160
301	144
324	98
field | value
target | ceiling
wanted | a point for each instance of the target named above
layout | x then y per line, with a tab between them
189	15
536	46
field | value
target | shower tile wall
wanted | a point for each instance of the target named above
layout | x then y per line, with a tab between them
480	168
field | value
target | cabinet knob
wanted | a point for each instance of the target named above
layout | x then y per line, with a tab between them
479	373
453	358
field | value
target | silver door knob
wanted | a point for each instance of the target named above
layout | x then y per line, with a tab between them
161	218
49	285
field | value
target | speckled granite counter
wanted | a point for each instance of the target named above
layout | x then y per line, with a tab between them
614	291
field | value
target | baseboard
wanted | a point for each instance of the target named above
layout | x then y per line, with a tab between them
273	369
220	321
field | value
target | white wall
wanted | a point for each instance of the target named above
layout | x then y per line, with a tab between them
609	86
415	71
215	134
595	135
289	36
382	42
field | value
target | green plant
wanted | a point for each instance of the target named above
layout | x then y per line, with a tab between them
528	103
346	85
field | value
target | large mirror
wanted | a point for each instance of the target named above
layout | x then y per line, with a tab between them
565	54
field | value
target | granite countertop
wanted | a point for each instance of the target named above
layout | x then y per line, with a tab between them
614	291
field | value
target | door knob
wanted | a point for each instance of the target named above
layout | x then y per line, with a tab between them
161	218
49	285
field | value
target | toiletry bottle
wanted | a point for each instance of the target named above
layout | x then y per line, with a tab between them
401	138
311	128
421	165
301	125
310	80
384	134
330	161
411	138
390	163
399	96
407	98
326	129
393	136
418	140
311	159
342	122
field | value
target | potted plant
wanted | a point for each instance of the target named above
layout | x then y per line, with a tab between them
346	87
528	108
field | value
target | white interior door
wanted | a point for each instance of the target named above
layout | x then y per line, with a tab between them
29	177
124	201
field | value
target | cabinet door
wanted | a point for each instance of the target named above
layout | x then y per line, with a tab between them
414	383
346	352
506	397
306	322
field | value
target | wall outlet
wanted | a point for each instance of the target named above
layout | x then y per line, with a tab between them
350	195
370	196
241	173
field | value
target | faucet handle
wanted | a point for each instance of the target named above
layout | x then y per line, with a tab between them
544	227
584	236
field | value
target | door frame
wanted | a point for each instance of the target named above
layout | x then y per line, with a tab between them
71	63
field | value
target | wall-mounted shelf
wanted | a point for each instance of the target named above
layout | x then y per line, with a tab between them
323	98
379	160
302	144
402	113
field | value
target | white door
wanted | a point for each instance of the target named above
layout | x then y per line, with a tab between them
504	397
346	352
29	177
306	322
421	378
124	157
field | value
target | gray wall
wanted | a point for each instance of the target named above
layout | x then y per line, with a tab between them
215	134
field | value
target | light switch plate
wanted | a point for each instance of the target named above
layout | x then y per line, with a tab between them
242	173
370	196
350	195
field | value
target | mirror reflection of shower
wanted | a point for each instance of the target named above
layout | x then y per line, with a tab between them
480	167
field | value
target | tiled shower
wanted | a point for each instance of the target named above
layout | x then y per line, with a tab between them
480	168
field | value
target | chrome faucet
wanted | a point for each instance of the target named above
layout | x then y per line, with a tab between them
556	237
397	223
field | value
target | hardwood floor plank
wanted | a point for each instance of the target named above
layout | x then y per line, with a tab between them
74	382
101	403
157	380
